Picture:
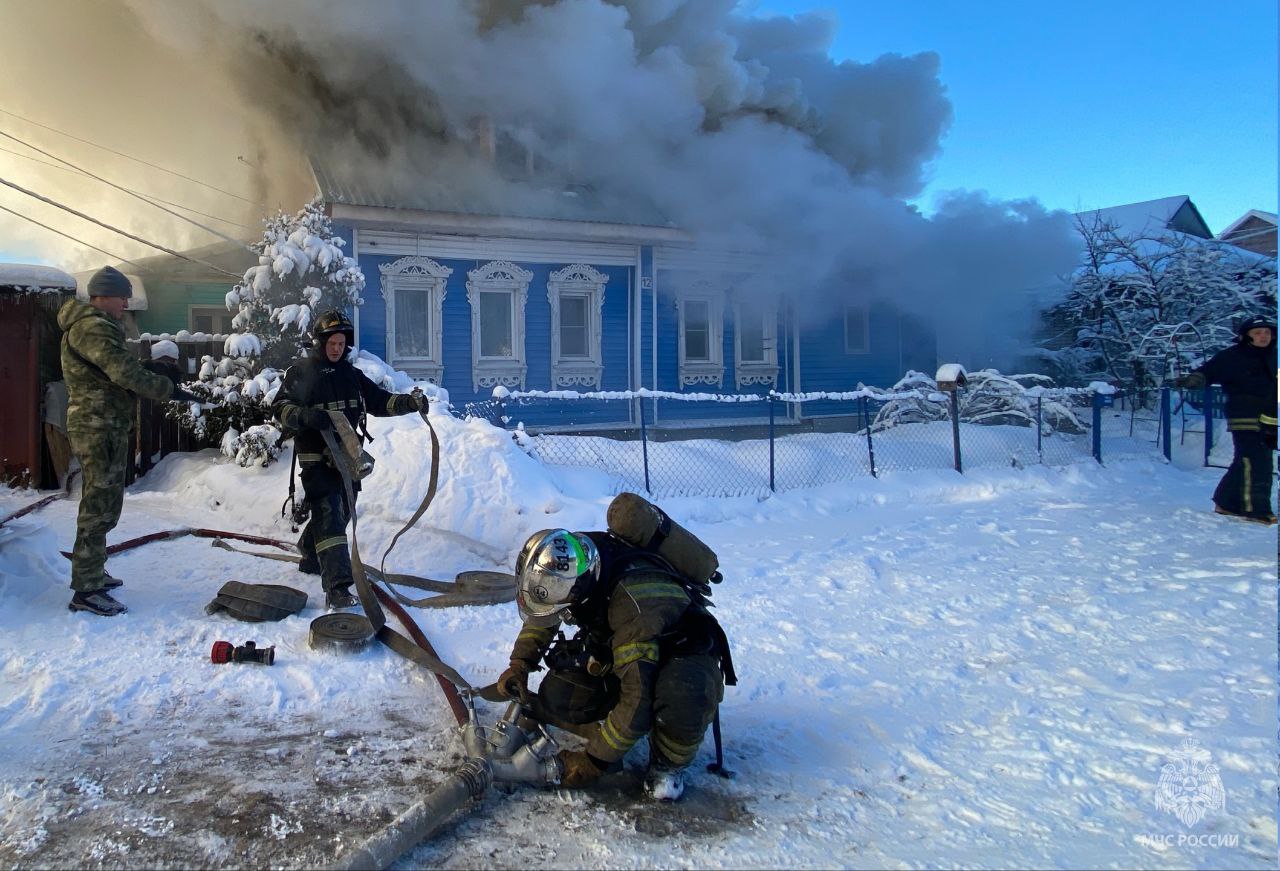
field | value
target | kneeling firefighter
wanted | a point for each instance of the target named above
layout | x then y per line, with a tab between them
325	381
648	657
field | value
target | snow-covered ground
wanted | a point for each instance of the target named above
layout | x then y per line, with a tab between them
936	670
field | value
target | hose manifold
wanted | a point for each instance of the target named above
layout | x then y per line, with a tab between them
477	774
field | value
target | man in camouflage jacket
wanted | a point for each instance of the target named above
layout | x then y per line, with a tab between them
648	659
103	378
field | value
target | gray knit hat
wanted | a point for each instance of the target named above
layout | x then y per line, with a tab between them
109	281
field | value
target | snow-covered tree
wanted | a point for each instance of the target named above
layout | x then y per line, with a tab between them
988	398
301	272
1143	309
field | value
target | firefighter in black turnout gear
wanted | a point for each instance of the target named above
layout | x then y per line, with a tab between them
1247	373
324	381
648	657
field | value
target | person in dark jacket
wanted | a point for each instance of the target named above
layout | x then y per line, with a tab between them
103	382
648	657
1247	373
324	381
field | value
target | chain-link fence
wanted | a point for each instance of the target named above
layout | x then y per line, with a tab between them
776	446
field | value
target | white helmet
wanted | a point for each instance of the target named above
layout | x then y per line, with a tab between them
555	568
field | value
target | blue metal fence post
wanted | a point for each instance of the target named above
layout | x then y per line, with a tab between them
1166	422
1040	428
772	488
955	428
871	448
1208	422
644	448
1097	426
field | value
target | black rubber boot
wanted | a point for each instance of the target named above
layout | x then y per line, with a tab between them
340	598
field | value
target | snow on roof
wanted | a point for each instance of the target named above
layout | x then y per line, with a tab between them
34	275
1268	217
1138	218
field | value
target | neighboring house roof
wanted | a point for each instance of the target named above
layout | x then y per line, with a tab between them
29	275
232	256
1152	216
1255	230
1252	214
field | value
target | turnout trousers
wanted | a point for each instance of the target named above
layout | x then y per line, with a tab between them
323	543
1246	486
686	693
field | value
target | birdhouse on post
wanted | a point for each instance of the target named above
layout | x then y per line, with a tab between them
950	377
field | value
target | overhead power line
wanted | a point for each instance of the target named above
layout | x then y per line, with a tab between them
124	233
127	156
116	257
130	190
207	229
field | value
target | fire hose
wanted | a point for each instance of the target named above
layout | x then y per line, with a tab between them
507	752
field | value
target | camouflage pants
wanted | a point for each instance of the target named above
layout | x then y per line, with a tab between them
323	542
686	693
1246	486
102	457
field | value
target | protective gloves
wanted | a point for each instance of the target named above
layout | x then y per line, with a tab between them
407	403
1190	381
579	769
180	395
514	682
315	418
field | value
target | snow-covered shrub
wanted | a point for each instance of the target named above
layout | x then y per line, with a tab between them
988	398
258	445
301	272
1143	309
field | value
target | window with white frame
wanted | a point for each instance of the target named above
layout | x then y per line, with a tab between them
755	343
498	292
576	295
414	290
701	323
212	319
857	329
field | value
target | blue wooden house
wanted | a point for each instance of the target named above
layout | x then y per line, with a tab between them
574	302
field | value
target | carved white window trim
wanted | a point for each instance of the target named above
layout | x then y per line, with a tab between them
577	279
765	371
710	371
499	276
417	273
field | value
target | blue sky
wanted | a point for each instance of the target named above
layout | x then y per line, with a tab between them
1088	104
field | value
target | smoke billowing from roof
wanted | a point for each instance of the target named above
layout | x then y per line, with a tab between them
740	130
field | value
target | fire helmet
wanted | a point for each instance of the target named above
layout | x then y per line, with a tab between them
332	321
1253	323
555	568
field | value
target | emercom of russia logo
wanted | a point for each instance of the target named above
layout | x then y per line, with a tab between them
1190	785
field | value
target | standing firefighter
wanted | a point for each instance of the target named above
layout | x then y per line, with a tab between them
102	380
322	382
1247	373
648	657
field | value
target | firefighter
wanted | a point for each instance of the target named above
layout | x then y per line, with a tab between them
648	657
1247	373
326	380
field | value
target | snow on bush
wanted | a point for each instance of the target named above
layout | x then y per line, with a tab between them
1143	309
301	271
988	398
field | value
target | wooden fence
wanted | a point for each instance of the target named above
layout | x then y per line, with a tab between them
155	435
